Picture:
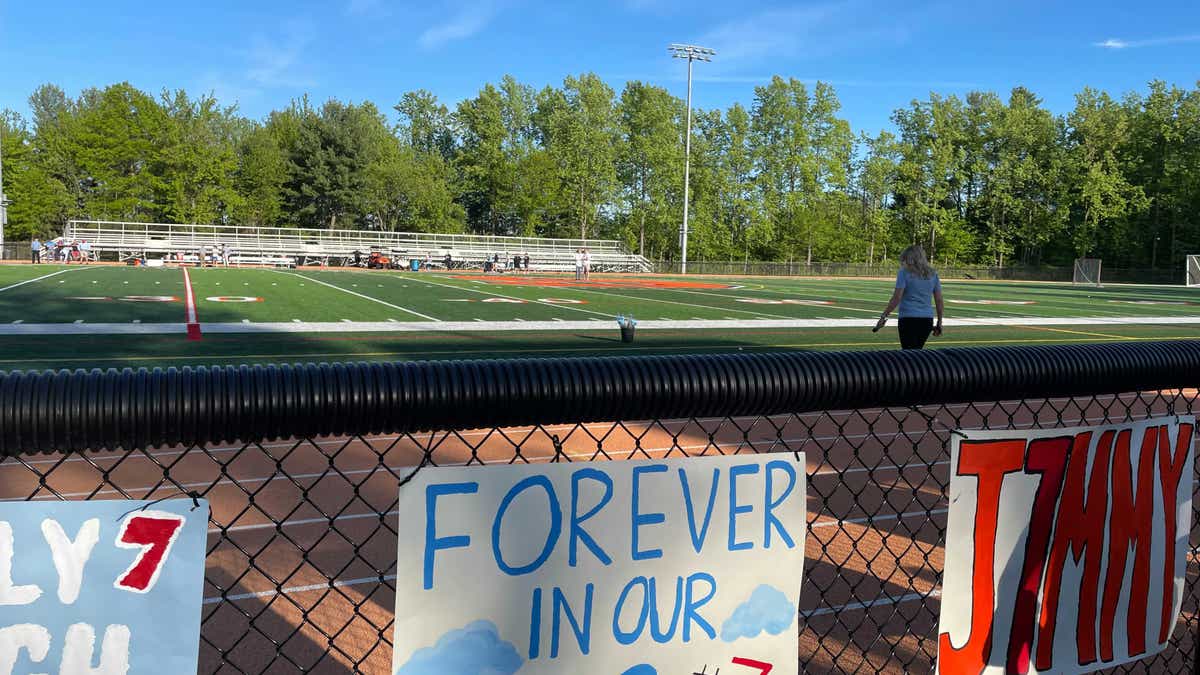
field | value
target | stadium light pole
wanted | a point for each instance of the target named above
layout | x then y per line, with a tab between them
692	53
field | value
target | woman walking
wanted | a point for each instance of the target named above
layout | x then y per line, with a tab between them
916	285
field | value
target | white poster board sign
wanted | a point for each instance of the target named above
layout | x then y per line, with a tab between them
1065	548
622	568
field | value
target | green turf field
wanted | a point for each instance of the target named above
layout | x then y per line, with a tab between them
53	316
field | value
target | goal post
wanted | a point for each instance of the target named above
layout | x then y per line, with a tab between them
1193	270
1087	271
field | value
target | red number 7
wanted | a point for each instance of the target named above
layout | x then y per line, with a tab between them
154	532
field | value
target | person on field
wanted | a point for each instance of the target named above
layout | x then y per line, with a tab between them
525	263
917	288
587	265
35	249
579	265
85	252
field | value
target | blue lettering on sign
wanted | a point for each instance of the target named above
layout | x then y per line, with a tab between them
583	635
433	543
735	509
551	535
640	519
660	636
691	610
577	532
629	637
535	625
698	537
769	519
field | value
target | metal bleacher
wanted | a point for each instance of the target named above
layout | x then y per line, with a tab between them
294	246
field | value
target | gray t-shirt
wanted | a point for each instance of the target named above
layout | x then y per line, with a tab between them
917	299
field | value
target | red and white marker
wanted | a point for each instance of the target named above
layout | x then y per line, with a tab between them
193	326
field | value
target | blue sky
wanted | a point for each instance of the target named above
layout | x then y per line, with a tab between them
879	54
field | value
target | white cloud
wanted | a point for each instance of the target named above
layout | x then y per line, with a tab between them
277	62
1117	43
470	18
816	29
358	7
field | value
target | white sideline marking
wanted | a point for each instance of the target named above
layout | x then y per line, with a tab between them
19	321
298	326
44	276
189	297
365	297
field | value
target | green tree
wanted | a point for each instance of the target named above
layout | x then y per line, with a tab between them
1103	196
40	203
579	130
650	164
261	173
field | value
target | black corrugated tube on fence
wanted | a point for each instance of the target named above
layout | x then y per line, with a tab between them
110	409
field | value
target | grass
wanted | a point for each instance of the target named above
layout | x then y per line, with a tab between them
38	303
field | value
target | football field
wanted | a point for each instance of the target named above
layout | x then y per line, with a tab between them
114	316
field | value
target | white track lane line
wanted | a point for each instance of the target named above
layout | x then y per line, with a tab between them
44	276
364	297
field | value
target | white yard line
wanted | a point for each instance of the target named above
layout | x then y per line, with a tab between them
364	297
511	297
44	276
192	325
297	326
693	305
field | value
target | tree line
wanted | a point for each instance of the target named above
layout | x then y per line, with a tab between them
980	179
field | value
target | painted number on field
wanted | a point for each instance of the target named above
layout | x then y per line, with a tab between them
786	301
149	298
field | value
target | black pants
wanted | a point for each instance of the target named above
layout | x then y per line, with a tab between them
37	257
914	332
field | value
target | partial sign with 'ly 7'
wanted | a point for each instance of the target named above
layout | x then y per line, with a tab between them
101	587
1065	548
675	566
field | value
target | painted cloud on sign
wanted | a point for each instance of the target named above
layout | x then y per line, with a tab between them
768	609
476	649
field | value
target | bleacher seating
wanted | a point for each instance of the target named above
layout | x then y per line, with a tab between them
286	246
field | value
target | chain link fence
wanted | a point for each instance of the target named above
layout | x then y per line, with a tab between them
888	269
301	557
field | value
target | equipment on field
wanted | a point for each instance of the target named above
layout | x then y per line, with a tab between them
1193	270
628	325
1087	272
379	261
